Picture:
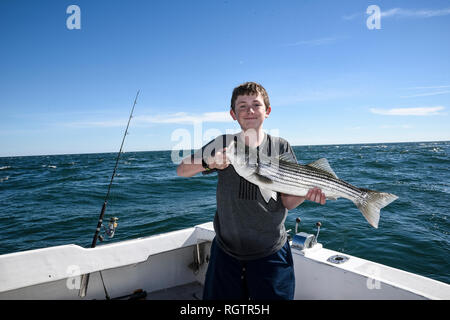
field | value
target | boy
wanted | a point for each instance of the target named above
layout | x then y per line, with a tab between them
250	255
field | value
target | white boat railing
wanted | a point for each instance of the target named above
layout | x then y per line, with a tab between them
179	258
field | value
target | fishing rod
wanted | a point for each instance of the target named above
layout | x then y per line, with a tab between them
85	277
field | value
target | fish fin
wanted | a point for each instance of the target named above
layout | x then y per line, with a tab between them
323	165
372	203
274	195
267	194
286	157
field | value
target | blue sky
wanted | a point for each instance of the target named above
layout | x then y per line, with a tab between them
331	80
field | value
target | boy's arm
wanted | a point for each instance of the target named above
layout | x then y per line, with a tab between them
189	167
315	194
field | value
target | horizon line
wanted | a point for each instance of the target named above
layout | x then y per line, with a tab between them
164	150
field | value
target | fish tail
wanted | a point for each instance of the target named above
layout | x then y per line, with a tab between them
371	202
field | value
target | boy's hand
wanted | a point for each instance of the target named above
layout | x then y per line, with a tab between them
219	161
316	195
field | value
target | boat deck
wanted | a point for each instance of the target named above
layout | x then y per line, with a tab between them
190	291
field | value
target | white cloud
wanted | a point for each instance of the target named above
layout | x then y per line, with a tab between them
421	13
353	16
426	94
429	87
183	118
399	12
425	91
423	111
173	118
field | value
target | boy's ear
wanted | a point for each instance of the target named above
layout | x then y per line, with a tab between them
268	111
233	115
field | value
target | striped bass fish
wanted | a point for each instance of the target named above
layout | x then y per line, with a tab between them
276	174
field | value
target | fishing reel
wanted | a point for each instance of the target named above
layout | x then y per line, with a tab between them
303	240
111	229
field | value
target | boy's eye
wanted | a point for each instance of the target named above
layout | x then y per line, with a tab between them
255	106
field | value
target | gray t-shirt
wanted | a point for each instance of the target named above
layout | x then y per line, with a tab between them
246	226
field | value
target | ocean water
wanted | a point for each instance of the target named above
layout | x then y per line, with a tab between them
56	200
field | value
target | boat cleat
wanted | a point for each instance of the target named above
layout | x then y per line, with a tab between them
303	240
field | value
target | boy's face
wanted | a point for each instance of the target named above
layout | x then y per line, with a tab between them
250	111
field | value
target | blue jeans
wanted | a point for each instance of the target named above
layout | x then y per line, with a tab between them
268	278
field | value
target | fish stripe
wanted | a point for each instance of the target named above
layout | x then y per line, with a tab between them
320	180
299	176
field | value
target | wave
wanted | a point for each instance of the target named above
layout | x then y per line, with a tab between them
65	193
49	166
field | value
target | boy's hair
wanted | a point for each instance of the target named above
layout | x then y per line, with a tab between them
249	88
